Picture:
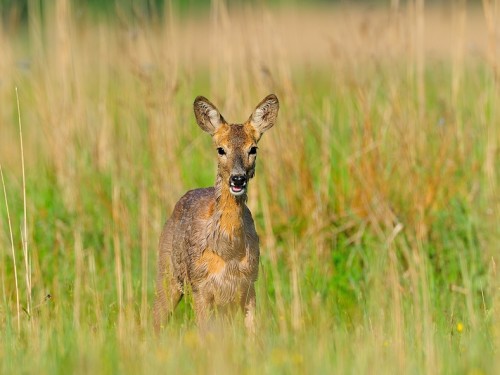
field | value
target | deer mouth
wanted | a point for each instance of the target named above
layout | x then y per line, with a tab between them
237	190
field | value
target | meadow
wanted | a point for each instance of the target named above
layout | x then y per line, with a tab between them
376	194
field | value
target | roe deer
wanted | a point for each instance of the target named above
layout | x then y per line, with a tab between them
210	240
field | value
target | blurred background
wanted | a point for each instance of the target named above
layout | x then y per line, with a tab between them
376	196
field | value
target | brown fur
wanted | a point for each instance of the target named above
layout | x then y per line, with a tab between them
211	261
210	241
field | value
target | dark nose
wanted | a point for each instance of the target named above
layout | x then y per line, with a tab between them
238	180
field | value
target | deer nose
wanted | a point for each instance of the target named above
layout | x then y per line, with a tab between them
238	180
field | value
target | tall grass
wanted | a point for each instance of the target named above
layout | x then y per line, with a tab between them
376	195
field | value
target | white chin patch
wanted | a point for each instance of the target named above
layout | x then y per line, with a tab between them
237	190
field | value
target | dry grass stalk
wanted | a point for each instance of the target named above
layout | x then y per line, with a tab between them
24	230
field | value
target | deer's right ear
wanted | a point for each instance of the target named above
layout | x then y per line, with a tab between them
207	115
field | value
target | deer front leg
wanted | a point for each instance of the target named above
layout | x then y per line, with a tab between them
202	306
248	307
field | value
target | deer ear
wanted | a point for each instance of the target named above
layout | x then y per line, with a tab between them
207	115
264	116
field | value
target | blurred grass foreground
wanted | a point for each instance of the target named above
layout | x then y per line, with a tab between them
376	196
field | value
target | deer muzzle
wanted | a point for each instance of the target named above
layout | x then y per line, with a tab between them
238	184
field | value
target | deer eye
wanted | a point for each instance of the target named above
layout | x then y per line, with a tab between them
253	151
221	151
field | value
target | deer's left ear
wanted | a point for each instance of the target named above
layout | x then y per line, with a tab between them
264	116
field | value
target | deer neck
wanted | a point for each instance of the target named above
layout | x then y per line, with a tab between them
228	212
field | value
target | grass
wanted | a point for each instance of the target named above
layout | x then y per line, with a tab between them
376	194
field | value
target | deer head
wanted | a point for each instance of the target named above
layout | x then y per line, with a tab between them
236	144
